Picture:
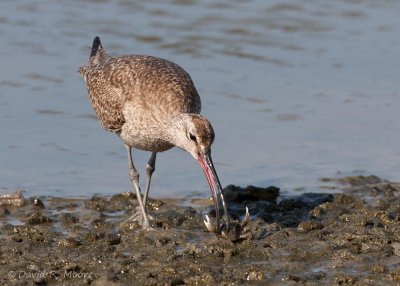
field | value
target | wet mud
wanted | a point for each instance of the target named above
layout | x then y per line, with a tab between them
350	237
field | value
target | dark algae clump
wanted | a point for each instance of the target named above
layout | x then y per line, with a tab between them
351	237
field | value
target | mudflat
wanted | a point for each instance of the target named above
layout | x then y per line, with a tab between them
349	237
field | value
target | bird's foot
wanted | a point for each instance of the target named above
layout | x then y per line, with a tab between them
140	218
238	231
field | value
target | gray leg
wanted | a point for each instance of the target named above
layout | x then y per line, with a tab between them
135	181
151	167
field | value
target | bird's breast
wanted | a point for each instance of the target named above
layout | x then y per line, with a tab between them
144	139
143	130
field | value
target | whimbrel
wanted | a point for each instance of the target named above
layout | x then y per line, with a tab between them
152	105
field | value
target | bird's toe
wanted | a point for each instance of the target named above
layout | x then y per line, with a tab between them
138	216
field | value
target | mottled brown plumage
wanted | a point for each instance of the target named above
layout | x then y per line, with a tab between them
153	84
153	105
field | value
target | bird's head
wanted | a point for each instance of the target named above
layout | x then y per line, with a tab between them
195	135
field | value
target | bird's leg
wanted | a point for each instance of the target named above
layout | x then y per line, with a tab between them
134	175
150	168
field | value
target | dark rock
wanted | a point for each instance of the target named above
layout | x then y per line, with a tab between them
250	193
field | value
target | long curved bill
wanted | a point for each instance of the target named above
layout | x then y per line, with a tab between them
207	165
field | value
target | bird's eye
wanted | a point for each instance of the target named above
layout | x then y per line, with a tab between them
192	137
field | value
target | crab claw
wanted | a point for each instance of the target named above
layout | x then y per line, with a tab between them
238	231
246	218
209	225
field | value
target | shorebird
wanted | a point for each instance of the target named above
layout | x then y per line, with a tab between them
152	105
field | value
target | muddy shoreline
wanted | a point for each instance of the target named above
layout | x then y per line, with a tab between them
347	238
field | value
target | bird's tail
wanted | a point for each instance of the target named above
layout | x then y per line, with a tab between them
95	47
97	56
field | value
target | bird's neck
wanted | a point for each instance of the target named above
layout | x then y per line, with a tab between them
175	130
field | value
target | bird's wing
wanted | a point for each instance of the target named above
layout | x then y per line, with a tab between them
106	100
153	82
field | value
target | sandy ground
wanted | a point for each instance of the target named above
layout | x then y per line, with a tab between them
347	238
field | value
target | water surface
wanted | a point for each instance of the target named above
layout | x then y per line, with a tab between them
296	91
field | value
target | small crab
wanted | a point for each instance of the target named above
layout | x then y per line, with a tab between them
235	233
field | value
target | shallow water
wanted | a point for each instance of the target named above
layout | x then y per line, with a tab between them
296	91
